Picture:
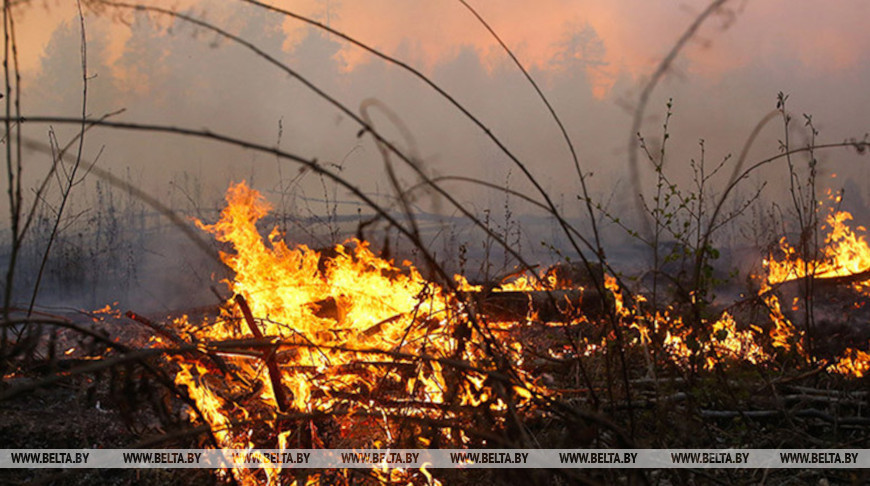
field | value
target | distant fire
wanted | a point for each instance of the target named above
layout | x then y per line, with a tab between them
350	334
844	254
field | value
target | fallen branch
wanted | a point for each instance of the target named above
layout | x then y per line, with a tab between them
833	400
818	282
542	305
808	413
155	327
841	280
214	358
510	306
268	356
836	393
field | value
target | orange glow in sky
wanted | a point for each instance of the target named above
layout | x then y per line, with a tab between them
634	35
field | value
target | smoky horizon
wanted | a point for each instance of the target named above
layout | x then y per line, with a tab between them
240	70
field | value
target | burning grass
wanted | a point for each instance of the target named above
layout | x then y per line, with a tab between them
347	350
343	349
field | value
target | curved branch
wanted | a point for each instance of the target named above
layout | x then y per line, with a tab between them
346	111
660	71
556	119
449	98
311	164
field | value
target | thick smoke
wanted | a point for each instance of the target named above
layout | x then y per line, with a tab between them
590	61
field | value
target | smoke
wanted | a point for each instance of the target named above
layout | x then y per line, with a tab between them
591	59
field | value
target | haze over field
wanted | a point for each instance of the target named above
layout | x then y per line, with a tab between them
592	59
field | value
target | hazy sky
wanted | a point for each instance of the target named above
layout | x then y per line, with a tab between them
590	57
821	36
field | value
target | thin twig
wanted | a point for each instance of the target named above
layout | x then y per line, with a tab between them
556	119
11	174
660	71
65	192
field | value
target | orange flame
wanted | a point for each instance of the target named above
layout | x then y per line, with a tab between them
346	325
845	253
373	304
334	317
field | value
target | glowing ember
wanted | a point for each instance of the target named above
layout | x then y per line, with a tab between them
854	362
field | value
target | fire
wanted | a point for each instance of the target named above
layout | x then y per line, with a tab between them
727	340
844	254
346	332
371	303
723	342
854	362
783	335
193	376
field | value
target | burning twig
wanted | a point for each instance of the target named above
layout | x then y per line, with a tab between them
155	327
268	355
163	331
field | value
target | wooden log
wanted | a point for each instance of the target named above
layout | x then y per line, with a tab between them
843	280
155	327
577	296
541	305
546	306
795	284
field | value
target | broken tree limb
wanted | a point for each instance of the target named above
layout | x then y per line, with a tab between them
542	305
841	280
509	306
154	327
794	286
165	332
818	282
268	356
